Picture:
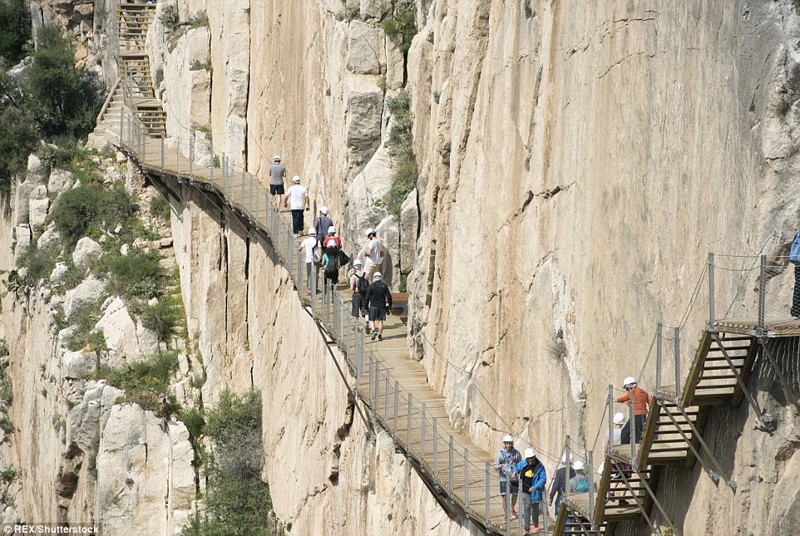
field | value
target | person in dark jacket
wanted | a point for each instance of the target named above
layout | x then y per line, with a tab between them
532	480
558	484
321	225
379	302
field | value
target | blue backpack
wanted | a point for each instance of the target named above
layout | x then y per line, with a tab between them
794	253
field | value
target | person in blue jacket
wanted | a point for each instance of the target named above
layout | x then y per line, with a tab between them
532	481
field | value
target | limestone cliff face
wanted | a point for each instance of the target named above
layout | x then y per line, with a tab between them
578	162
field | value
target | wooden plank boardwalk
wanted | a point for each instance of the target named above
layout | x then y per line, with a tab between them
386	378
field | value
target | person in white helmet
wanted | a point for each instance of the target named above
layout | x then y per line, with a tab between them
532	481
379	303
297	201
504	464
373	253
308	246
579	483
331	258
277	176
322	223
641	407
616	432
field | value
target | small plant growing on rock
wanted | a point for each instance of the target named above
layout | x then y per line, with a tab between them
401	26
401	151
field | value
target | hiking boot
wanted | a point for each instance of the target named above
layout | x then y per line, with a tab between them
374	335
527	531
380	337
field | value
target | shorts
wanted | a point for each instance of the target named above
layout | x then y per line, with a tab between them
514	487
276	189
377	313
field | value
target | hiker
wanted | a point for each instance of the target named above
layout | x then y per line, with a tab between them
359	286
532	479
331	240
558	484
277	175
297	200
322	223
616	432
373	253
579	483
641	406
504	464
308	245
379	302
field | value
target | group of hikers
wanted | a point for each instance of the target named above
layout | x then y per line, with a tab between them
527	476
322	247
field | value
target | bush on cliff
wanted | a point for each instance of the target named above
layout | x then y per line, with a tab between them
15	30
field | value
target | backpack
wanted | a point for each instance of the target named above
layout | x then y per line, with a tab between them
332	267
362	285
316	255
343	258
582	486
794	252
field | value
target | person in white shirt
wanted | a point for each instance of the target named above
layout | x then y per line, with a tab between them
308	246
297	201
373	254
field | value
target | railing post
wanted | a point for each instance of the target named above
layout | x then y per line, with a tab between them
288	257
610	418
211	164
370	395
386	399
396	402
422	434
486	498
162	156
314	299
408	431
678	388
762	289
177	158
711	297
466	480
301	263
244	185
632	429
450	466
590	472
435	446
567	467
658	356
223	175
121	125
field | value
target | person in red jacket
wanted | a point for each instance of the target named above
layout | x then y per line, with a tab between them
641	407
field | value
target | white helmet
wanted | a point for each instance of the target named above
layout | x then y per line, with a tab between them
331	230
629	381
578	466
296	179
276	158
357	263
619	418
370	231
506	438
323	210
312	231
529	453
377	276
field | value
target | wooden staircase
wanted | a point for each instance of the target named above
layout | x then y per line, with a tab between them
135	78
133	20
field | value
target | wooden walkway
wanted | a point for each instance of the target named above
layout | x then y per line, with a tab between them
387	379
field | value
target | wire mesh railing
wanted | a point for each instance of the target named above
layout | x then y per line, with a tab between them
454	468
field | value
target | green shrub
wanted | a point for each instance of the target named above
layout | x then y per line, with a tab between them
8	474
137	274
195	422
198	19
54	156
38	264
77	214
6	389
86	337
162	318
401	151
160	208
401	25
170	18
145	383
18	138
15	29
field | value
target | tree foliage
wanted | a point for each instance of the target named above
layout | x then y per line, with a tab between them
15	29
65	98
237	500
